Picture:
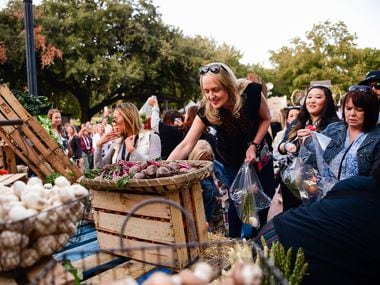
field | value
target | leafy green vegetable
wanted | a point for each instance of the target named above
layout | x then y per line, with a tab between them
124	180
78	276
283	261
92	173
51	177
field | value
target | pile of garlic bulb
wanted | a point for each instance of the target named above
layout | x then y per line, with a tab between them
37	219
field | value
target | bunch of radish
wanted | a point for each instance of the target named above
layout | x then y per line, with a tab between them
141	170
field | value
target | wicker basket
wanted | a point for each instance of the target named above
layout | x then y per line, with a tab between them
161	185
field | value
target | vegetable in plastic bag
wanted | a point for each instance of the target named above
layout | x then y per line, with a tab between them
248	196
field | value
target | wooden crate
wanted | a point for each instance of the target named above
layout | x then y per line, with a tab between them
31	142
153	224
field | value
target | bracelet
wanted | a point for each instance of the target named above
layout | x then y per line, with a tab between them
255	144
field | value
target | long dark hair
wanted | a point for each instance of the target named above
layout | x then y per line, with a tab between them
191	113
327	116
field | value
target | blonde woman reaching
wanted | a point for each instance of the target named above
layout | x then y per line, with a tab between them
241	118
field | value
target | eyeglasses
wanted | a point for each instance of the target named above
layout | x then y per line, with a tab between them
115	120
360	88
214	68
375	85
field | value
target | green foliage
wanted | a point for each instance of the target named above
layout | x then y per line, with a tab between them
46	123
51	177
328	53
35	105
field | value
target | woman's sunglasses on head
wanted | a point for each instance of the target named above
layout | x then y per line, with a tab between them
214	68
360	88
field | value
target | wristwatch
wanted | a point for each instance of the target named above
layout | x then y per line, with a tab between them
255	144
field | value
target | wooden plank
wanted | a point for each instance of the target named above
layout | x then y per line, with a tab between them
178	230
8	179
165	256
10	159
130	268
199	213
141	228
13	102
190	234
124	202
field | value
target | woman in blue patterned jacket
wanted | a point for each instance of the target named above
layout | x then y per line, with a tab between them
355	143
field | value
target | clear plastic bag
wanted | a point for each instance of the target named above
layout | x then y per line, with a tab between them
309	179
146	109
326	178
248	196
289	172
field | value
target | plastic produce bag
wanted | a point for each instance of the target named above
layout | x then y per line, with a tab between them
289	172
248	196
146	109
308	178
326	178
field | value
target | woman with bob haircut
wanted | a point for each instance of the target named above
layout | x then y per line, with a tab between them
131	143
241	118
355	143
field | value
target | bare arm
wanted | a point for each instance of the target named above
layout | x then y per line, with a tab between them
155	118
183	150
262	130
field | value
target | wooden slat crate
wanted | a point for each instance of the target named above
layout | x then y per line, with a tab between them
153	224
31	142
158	223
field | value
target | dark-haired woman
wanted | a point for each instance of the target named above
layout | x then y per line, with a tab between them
317	112
355	143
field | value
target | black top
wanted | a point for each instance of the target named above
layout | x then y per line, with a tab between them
75	150
170	137
340	234
234	134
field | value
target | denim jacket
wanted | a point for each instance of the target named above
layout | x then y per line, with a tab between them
368	152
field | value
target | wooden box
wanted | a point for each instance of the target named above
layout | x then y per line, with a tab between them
31	142
152	224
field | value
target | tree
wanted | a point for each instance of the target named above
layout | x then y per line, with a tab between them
329	53
104	51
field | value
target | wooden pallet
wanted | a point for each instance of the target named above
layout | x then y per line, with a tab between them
31	142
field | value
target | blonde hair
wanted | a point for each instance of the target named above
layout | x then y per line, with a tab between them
131	118
202	151
227	81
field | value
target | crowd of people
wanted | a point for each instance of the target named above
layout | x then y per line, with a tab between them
231	126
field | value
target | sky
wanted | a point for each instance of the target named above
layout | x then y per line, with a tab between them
255	27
